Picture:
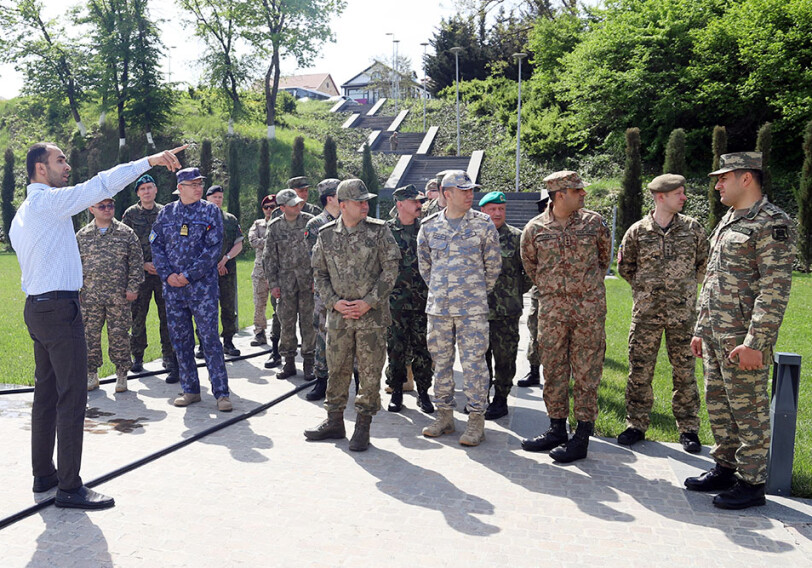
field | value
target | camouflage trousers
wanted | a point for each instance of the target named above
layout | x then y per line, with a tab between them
406	344
739	411
470	335
261	295
571	344
368	348
228	303
644	343
533	328
320	328
152	285
119	319
503	349
296	304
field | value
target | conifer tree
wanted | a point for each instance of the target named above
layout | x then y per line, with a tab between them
805	204
297	158
630	207
763	145
716	208
675	153
330	158
370	177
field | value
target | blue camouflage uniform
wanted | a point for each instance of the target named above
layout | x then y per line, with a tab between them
187	239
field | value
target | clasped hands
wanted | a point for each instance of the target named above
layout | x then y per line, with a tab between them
352	309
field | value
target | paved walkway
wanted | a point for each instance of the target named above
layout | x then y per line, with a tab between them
257	494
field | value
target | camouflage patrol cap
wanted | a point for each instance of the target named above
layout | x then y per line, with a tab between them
493	197
459	179
408	192
432	185
288	198
666	183
353	190
439	178
738	161
563	180
298	182
328	186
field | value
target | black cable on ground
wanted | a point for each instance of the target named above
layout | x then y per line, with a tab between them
23	390
10	520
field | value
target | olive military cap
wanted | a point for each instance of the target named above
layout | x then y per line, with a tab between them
666	183
298	182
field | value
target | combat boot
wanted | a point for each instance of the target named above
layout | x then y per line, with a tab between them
121	380
396	402
360	437
577	446
199	352
424	401
498	408
308	371
741	496
475	430
172	376
229	349
332	428
319	391
288	370
259	339
443	425
138	364
92	381
274	359
555	435
532	378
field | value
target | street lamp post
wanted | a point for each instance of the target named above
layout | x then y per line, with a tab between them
392	75
519	57
456	51
395	75
424	44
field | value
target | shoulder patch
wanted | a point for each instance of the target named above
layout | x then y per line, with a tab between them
431	217
375	221
780	232
152	236
330	224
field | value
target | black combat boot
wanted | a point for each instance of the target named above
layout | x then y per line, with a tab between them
741	496
424	401
199	353
718	478
319	390
229	349
332	428
577	446
138	364
275	358
555	435
360	437
396	402
308	371
172	375
288	370
532	378
497	408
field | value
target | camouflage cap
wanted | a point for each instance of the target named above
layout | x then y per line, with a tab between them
493	197
738	161
353	190
328	186
298	182
439	177
189	174
288	198
666	183
408	192
563	180
459	179
432	185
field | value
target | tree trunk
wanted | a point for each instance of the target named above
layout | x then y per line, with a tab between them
271	90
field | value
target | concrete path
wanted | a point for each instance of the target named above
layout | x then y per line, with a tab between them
257	494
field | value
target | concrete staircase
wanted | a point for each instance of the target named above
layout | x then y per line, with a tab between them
408	143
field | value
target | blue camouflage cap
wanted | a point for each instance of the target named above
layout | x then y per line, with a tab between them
493	197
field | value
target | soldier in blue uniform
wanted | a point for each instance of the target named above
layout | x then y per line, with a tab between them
186	244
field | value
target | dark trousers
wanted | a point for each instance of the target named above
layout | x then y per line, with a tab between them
152	285
60	388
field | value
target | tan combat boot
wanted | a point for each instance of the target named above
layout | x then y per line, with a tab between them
332	428
475	431
443	425
121	380
92	381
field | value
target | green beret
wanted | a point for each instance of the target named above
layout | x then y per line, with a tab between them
666	183
493	197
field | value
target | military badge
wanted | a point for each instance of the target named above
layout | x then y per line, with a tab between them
780	233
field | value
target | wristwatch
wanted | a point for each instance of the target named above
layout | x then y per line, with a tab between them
228	257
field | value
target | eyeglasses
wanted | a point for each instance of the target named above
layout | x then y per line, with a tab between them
104	206
193	183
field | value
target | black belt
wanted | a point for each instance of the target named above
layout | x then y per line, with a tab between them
55	295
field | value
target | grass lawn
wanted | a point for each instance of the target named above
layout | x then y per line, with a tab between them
17	362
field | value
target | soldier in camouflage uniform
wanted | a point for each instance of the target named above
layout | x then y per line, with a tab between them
139	218
286	261
741	307
505	306
113	269
256	238
533	376
435	200
406	337
566	252
327	195
355	263
302	188
663	257
459	258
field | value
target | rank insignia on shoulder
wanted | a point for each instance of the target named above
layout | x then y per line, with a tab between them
184	230
780	233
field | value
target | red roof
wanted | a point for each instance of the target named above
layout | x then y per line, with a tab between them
316	81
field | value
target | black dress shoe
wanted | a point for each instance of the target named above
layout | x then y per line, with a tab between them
630	436
83	498
741	496
46	482
719	478
424	402
690	442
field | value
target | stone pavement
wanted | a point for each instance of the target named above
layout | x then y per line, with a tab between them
257	494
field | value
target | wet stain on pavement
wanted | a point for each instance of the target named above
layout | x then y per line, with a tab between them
123	425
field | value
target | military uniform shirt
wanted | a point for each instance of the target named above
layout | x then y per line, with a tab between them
256	238
505	300
232	234
141	220
112	263
286	258
410	291
314	226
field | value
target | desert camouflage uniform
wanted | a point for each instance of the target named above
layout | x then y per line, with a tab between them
568	266
743	299
663	268
256	237
505	307
360	263
533	328
460	266
112	265
286	260
319	310
406	337
141	220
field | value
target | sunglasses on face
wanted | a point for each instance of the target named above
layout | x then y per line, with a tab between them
267	206
104	206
